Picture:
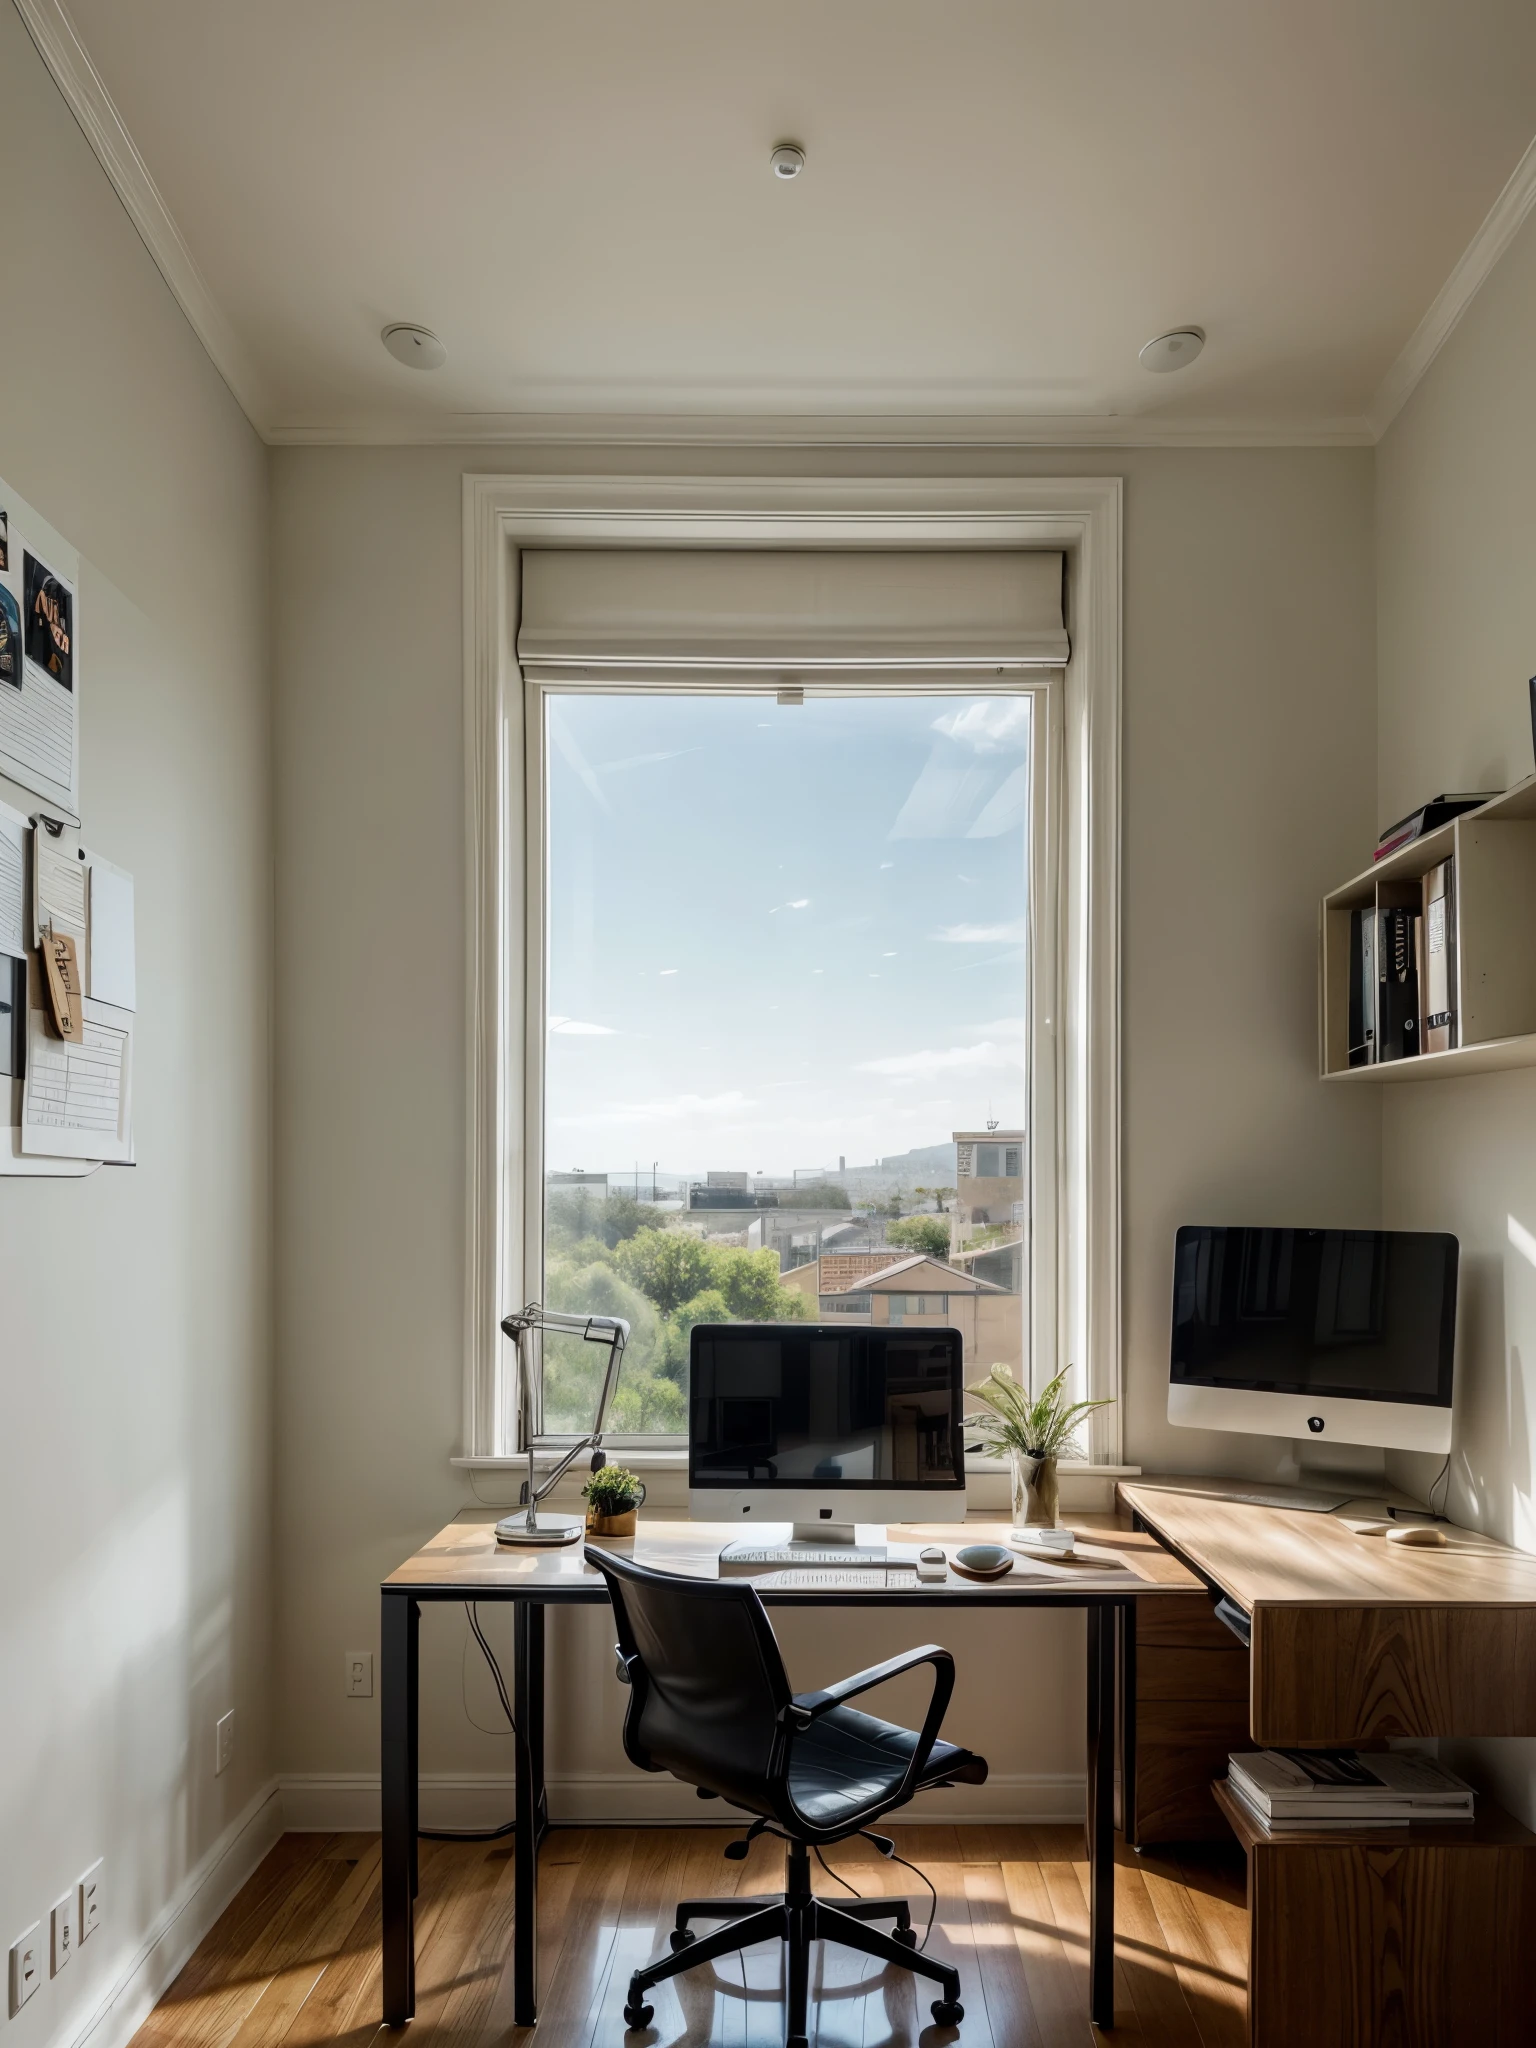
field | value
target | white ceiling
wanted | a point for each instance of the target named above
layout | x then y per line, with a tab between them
1002	201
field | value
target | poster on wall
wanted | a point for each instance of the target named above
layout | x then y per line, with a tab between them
10	640
39	658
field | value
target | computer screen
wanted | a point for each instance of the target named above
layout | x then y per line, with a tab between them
1364	1315
801	1404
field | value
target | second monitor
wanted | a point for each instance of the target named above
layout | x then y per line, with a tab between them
825	1426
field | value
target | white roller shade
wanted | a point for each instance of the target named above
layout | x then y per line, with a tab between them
795	613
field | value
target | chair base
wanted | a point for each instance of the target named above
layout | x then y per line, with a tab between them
797	1918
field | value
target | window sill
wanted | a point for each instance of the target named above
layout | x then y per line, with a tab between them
669	1459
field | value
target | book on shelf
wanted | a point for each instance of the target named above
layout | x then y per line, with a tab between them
1363	925
1440	1028
1438	811
1398	945
1301	1789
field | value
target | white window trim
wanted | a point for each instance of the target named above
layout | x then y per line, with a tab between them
1082	516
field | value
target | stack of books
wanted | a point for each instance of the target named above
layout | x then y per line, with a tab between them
1438	811
1402	972
1301	1790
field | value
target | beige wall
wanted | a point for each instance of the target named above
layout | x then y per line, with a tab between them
134	1332
1249	773
1456	522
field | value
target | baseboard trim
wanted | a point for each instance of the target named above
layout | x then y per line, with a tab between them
326	1802
182	1923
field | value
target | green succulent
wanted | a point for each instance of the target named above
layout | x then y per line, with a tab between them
613	1490
1042	1427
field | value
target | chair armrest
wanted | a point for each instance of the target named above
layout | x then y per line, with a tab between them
807	1707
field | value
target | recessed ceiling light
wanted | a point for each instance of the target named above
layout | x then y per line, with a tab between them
417	346
1173	351
787	161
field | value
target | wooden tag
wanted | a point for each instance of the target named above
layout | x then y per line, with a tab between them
64	990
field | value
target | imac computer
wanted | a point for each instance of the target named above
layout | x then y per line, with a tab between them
1329	1336
823	1427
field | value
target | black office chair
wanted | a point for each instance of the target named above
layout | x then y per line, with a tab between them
710	1702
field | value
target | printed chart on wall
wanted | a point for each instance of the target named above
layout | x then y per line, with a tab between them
68	993
39	657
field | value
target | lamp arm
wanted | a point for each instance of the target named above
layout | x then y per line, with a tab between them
613	1331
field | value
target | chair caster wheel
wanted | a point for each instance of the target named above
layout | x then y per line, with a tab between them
682	1937
948	2012
636	2016
907	1936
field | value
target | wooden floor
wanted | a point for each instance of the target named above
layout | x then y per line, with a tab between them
295	1960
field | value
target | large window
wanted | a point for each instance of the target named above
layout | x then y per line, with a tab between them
786	1020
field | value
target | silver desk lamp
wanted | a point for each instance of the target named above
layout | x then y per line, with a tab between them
528	1528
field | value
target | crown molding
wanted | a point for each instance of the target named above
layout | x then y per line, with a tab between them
59	45
85	92
1504	220
823	430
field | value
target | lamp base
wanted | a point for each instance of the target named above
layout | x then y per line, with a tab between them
549	1532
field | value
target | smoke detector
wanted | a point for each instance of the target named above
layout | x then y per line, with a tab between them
787	161
417	347
1175	351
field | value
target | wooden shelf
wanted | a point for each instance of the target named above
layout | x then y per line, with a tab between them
1494	850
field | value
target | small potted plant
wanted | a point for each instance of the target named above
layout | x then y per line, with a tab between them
1033	1434
613	1496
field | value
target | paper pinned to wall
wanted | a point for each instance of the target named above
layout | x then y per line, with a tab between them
77	1100
58	887
13	874
112	978
39	656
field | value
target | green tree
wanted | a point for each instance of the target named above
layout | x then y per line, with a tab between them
921	1234
819	1194
668	1266
750	1284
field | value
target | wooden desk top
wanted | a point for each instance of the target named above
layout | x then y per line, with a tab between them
464	1559
1284	1556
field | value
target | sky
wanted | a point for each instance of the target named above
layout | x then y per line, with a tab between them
783	934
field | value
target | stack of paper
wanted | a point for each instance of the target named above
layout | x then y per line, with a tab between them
1304	1789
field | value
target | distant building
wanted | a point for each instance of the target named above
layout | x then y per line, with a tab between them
926	1293
597	1181
834	1271
989	1187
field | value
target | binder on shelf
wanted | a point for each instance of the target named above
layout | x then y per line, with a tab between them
1397	985
1441	1023
1362	986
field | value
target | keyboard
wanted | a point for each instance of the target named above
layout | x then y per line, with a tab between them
813	1556
869	1578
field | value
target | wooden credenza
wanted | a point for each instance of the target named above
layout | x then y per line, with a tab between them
1417	1938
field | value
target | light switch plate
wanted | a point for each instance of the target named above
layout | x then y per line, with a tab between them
224	1742
61	1932
26	1965
359	1674
90	1902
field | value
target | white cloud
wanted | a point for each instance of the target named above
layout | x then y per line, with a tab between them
984	934
668	970
573	1028
992	725
676	1107
933	1060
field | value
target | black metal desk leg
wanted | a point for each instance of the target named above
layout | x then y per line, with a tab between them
1101	1815
531	1810
399	1636
1127	1691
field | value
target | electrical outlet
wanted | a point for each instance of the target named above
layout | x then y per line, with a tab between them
359	1674
224	1742
90	1902
61	1928
26	1966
